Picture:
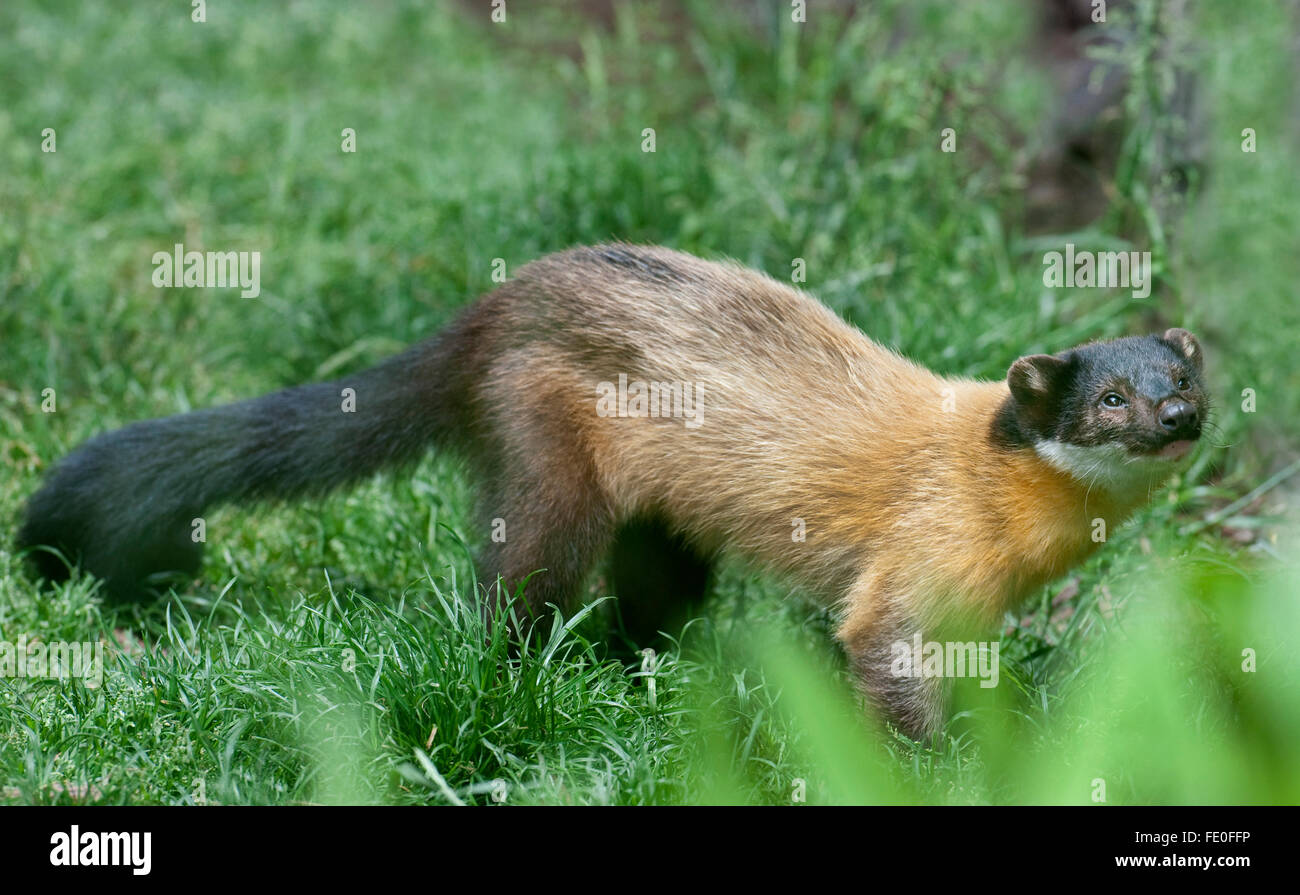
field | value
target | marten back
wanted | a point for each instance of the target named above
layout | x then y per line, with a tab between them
789	397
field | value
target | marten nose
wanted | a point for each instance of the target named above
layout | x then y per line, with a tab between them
1177	416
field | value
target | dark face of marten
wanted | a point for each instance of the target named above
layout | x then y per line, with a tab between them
1105	404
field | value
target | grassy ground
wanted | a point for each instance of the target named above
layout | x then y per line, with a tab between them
326	652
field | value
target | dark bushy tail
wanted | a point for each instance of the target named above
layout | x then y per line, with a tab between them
124	502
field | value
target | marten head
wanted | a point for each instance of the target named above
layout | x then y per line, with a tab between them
1109	412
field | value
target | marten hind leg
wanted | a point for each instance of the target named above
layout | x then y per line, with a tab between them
659	578
548	518
546	535
875	633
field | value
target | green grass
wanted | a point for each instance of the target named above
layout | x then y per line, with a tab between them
330	652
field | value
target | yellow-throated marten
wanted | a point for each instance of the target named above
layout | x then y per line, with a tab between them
642	401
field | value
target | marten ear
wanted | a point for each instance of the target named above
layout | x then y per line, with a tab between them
1185	344
1036	377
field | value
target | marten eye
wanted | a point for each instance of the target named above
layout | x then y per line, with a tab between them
1113	399
1182	384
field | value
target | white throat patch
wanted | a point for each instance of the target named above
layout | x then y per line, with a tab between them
1107	466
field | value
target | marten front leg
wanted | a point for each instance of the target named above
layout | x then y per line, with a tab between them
875	623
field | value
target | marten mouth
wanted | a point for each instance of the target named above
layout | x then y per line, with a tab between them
1170	450
1176	450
